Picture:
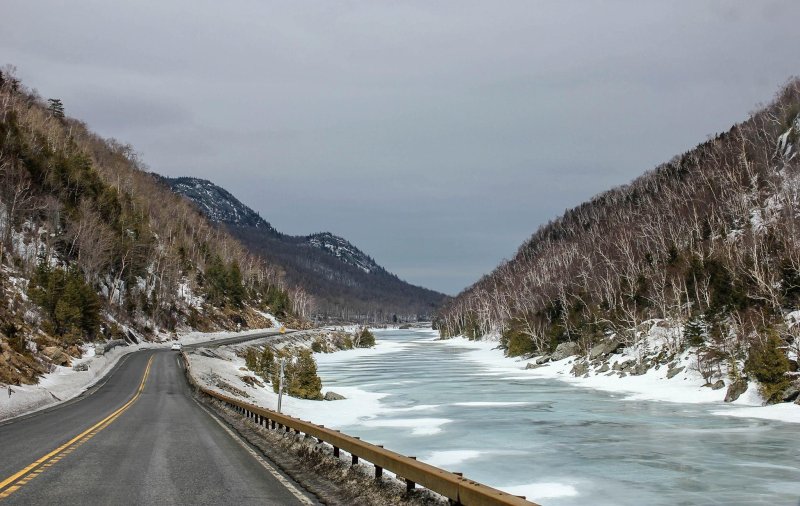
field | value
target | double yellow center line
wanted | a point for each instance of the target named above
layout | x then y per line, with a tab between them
21	478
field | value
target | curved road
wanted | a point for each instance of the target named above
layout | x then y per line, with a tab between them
139	438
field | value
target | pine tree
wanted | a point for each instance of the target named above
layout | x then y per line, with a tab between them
56	107
306	384
769	365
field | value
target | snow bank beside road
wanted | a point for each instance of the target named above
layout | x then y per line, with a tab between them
64	383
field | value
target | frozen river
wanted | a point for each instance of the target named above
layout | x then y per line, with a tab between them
559	444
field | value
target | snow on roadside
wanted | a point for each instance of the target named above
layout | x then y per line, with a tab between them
64	383
685	387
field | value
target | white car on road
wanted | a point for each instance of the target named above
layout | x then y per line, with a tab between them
176	346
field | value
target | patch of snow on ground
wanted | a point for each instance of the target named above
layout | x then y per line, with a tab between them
357	407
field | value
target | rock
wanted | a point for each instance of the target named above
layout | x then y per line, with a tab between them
639	369
616	366
579	369
627	366
735	389
565	350
605	348
792	393
672	372
333	396
543	359
604	368
111	345
252	381
622	374
719	384
80	367
534	366
56	355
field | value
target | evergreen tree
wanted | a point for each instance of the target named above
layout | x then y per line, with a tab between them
768	364
56	107
305	384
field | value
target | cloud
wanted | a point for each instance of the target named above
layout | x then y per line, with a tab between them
436	136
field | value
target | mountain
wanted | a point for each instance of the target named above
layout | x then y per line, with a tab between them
344	281
701	253
93	249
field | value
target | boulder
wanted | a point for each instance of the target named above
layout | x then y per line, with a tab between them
565	350
56	355
534	366
252	381
791	393
604	368
605	348
81	367
333	396
717	385
735	389
543	359
674	371
579	369
639	369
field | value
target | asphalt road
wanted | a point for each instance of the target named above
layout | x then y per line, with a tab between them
140	438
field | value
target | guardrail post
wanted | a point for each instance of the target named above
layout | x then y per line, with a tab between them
354	459
378	472
336	451
410	485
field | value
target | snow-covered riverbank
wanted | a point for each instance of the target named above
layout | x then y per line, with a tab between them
684	387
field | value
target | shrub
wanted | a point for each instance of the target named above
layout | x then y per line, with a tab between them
364	339
768	364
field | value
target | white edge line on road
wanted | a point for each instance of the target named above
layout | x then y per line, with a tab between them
269	467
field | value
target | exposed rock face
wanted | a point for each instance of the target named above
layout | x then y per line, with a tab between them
333	396
565	350
735	389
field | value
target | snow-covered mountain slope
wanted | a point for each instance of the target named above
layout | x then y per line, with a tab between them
343	279
216	203
343	250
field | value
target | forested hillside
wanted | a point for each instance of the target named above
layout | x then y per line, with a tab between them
336	279
92	248
707	244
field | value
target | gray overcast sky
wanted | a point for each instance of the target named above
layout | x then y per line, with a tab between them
436	136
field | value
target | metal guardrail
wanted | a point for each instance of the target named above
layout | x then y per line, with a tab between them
457	488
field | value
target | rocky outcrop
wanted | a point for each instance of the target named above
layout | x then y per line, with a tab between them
565	350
